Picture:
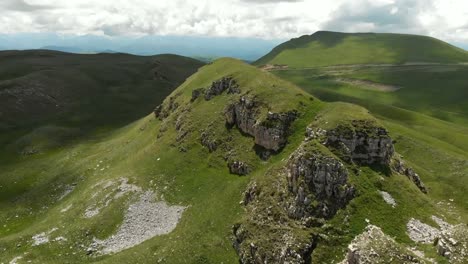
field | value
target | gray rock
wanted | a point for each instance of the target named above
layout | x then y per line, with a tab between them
362	142
270	133
218	87
238	167
399	166
313	176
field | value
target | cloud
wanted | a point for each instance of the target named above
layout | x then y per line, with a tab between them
22	6
270	19
271	1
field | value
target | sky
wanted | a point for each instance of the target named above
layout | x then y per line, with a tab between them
266	19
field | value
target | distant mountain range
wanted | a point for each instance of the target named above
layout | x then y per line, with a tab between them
193	46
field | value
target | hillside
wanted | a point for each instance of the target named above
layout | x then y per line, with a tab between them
63	91
325	48
237	165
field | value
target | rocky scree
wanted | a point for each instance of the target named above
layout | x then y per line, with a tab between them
374	246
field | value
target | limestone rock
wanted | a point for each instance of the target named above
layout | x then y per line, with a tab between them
270	133
313	176
218	87
164	110
362	142
374	246
399	166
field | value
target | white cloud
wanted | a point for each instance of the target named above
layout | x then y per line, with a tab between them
446	19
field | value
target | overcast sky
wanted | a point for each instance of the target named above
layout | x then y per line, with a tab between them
269	19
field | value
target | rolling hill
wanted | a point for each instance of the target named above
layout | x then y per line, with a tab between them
325	48
53	92
237	165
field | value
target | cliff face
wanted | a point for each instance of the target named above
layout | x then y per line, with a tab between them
270	134
313	176
362	142
310	187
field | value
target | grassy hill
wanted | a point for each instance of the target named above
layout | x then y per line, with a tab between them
325	48
79	92
226	119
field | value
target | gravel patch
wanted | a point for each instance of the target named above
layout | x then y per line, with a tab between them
122	189
42	238
144	220
442	224
388	198
374	246
420	232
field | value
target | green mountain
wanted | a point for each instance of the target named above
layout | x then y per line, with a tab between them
325	48
234	165
67	95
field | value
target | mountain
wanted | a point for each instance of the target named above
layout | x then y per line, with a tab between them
63	49
325	48
192	46
56	90
238	165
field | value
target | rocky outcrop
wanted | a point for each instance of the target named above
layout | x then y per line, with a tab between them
284	248
164	110
318	183
238	167
209	141
399	166
218	87
374	246
197	93
310	187
362	142
453	244
270	133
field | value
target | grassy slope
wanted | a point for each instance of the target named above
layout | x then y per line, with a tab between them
30	185
332	48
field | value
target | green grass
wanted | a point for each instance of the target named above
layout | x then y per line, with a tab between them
148	153
195	178
325	48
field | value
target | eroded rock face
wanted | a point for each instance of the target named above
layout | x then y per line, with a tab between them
400	167
164	110
311	186
270	134
218	87
315	177
362	142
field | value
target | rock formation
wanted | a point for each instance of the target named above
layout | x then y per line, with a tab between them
270	133
218	87
238	167
314	177
399	166
362	142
